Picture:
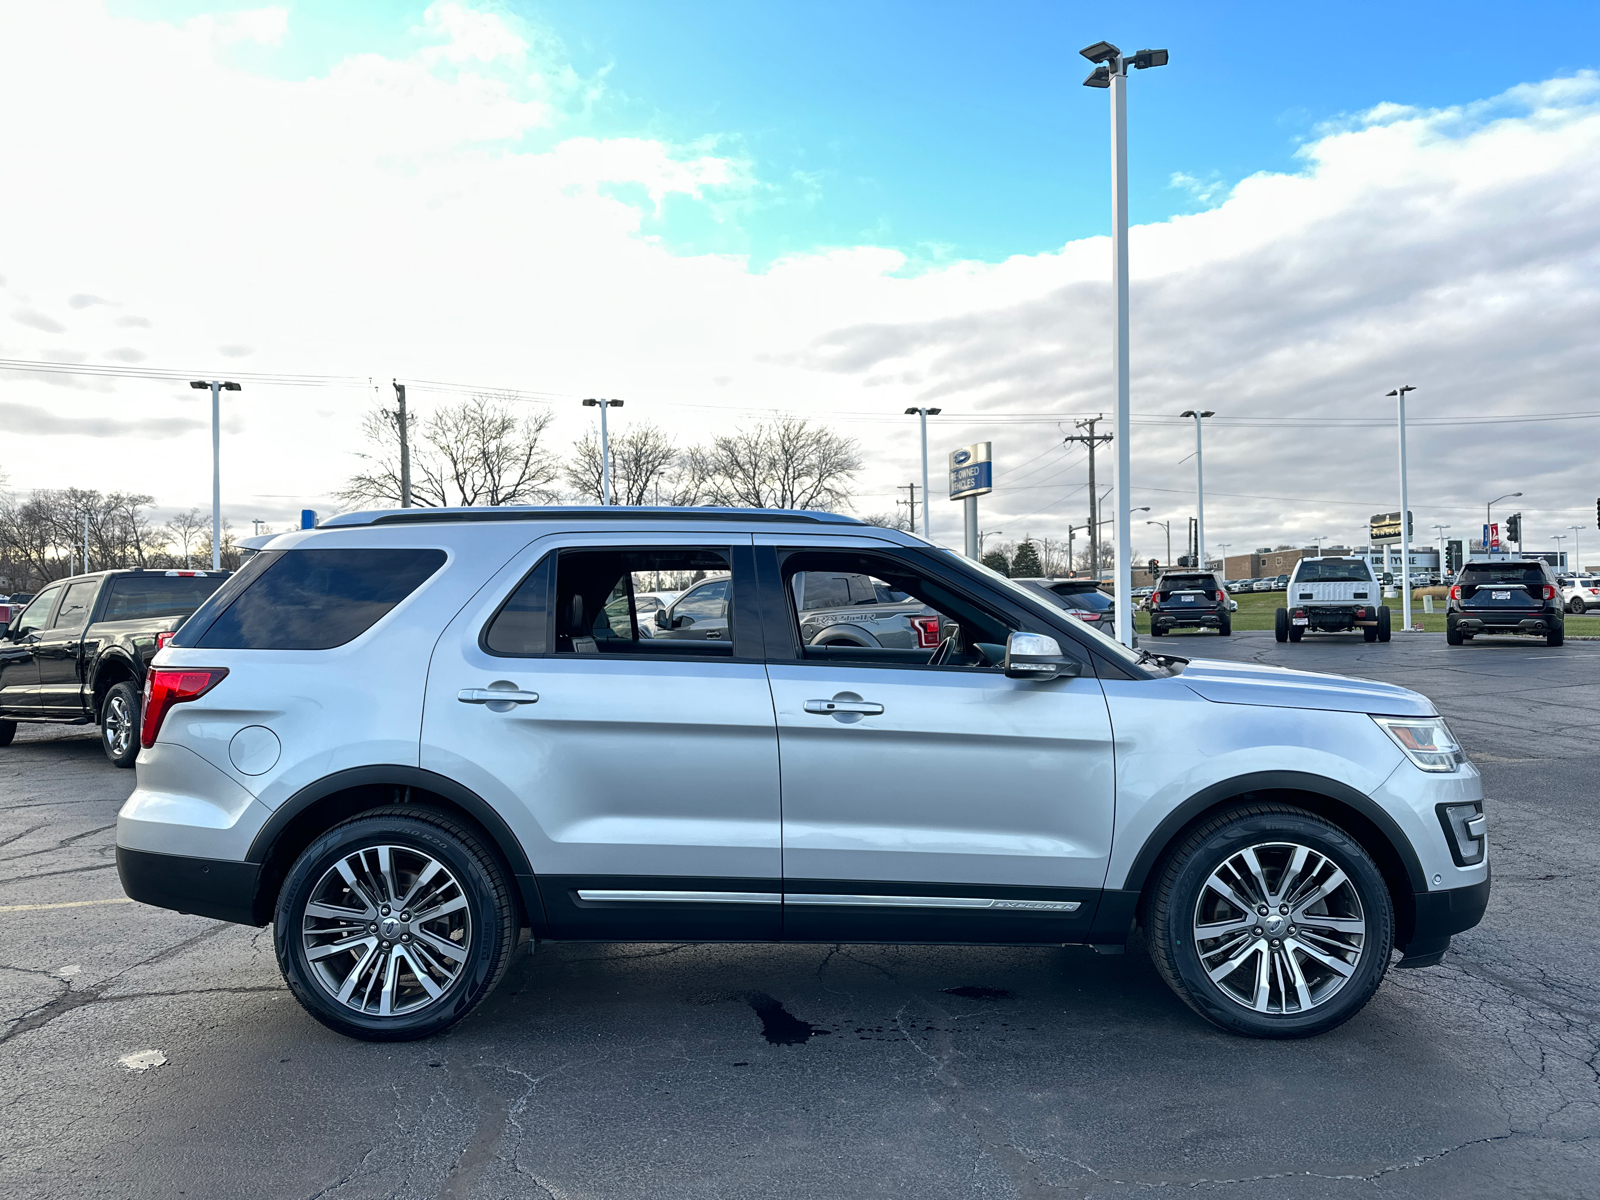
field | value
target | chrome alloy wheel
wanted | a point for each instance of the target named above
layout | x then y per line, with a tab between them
387	930
1279	928
116	725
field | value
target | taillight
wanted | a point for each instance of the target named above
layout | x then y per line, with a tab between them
1549	592
163	638
165	687
1455	592
1299	612
1361	614
927	632
1083	614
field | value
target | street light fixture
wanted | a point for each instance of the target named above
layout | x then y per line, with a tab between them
1405	515
927	509
1199	483
983	533
1167	525
1488	515
1319	539
217	386
1111	71
605	446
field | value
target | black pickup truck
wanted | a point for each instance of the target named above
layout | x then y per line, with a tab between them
77	653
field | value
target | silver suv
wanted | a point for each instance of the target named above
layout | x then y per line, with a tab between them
405	737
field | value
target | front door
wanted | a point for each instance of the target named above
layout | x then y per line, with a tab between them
926	796
640	773
57	652
19	672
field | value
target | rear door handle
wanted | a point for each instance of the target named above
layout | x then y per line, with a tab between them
826	708
495	696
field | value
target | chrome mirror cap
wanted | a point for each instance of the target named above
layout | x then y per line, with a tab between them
1037	656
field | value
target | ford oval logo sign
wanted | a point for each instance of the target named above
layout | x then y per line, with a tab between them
961	457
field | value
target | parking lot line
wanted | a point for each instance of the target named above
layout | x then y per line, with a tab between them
63	904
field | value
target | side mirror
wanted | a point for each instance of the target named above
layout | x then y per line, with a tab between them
682	622
662	620
1036	656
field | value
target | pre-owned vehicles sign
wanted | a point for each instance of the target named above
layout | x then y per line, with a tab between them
971	471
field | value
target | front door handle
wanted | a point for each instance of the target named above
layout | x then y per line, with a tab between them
827	708
495	696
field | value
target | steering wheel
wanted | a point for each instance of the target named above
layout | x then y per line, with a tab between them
943	652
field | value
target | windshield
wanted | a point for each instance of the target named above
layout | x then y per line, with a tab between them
1333	570
1107	645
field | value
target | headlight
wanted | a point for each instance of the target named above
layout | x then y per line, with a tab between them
1426	741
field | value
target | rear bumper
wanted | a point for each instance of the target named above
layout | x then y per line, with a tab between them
1167	619
205	887
1439	916
1510	623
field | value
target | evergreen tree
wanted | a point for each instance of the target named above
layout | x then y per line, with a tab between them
996	561
1025	563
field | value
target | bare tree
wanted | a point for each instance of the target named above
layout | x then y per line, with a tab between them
185	531
42	538
477	452
781	464
894	520
644	467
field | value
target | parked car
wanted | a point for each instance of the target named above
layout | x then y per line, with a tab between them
1263	585
644	606
1190	600
1515	596
78	652
1080	598
1333	595
405	735
1579	593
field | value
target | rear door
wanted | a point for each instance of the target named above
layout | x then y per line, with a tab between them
58	652
641	774
931	801
1502	588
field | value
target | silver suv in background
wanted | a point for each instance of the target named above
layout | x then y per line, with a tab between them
405	737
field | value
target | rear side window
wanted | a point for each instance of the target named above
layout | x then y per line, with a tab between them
134	597
315	599
74	612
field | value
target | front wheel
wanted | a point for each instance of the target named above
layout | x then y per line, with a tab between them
8	730
119	724
394	925
1383	623
1271	922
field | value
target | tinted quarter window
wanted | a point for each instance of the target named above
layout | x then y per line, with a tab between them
521	627
75	605
134	597
318	599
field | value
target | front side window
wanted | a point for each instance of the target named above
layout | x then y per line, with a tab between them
314	599
75	606
38	611
598	608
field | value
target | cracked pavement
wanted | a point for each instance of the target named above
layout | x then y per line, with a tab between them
776	1071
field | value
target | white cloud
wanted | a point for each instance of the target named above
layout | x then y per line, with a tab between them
427	216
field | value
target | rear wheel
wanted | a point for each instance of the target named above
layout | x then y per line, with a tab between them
1452	636
1369	633
1271	922
1383	623
1280	625
1156	630
1225	626
394	925
119	724
1577	606
1556	636
1296	633
8	730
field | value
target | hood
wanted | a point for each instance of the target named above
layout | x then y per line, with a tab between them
1279	687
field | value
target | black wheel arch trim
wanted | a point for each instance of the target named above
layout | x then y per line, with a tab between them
1272	781
479	809
115	660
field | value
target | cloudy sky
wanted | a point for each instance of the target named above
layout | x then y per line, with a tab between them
722	212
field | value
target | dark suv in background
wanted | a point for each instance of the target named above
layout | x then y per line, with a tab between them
1505	597
1190	600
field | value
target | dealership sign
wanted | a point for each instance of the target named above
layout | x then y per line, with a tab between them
1385	527
971	472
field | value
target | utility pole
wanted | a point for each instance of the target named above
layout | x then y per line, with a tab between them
402	423
1091	440
927	511
912	503
86	541
217	386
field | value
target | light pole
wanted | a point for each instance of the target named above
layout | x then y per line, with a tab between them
1405	516
927	508
1438	536
1577	551
1488	515
983	533
1199	484
1558	538
217	386
1168	527
1319	539
605	446
1111	72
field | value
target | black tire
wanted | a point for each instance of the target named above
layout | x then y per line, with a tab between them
1556	637
1225	626
491	920
1452	636
1296	633
1157	630
8	730
1577	607
1369	633
119	718
1180	887
1383	623
1280	625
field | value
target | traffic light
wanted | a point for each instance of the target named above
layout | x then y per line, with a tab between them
1452	556
1514	529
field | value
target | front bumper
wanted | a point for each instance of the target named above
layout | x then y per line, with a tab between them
1440	915
206	887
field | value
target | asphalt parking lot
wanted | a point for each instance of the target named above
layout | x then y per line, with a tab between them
822	1071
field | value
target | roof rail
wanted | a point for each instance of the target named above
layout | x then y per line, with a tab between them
582	512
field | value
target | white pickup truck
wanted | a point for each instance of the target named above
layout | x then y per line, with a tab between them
1333	595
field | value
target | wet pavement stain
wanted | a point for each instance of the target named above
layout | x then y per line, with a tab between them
778	1025
980	993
